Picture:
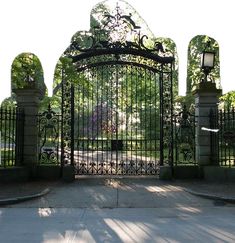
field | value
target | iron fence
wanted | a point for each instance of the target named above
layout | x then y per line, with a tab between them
223	137
11	137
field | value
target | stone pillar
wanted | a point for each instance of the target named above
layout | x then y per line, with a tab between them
206	98
28	101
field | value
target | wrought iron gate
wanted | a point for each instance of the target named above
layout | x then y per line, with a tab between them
117	115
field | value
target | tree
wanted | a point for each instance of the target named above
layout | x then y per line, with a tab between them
170	46
9	102
194	73
26	71
228	100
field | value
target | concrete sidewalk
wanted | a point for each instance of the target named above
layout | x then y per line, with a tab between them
17	192
108	192
118	210
224	191
118	225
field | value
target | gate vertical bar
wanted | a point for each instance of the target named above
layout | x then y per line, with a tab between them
19	136
103	148
14	132
127	116
62	119
214	116
72	126
171	105
161	118
9	125
155	120
145	119
116	118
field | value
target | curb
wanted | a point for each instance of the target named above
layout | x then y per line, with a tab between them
211	196
14	200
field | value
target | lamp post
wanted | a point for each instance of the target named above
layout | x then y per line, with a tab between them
207	61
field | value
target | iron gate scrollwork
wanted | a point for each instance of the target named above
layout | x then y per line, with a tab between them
184	140
117	117
49	137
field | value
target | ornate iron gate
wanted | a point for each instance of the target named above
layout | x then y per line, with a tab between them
117	115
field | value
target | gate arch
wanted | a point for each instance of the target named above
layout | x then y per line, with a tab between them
117	116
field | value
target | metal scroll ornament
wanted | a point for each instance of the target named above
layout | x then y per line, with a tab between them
117	30
49	137
185	137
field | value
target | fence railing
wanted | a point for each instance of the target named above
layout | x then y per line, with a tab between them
223	137
11	137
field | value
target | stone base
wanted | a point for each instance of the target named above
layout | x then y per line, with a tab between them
14	174
165	173
49	172
217	173
187	172
68	173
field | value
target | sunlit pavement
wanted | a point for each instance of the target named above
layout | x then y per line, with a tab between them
114	210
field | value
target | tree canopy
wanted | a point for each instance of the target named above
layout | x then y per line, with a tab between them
227	101
26	72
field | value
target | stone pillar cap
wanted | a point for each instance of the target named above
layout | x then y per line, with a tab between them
29	92
207	87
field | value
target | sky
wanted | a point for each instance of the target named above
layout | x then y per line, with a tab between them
45	27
